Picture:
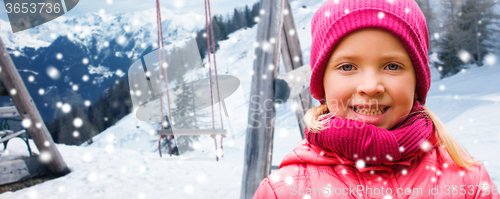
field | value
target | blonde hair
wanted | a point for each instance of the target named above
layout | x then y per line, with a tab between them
316	118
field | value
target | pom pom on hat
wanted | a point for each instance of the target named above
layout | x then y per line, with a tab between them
337	18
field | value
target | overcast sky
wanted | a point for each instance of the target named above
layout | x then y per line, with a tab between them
115	6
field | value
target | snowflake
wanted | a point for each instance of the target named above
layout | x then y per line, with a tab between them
26	123
59	56
380	15
87	157
109	2
74	87
464	56
77	122
124	169
38	125
266	46
61	189
404	171
53	73
390	1
272	40
85	78
92	177
76	134
442	87
346	11
110	149
425	145
13	91
45	156
256	19
122	40
66	108
286	12
360	164
197	145
436	35
291	32
271	67
407	10
490	59
120	73
327	14
31	78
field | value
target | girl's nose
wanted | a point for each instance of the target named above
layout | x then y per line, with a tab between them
371	84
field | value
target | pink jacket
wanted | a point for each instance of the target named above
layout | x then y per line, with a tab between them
310	172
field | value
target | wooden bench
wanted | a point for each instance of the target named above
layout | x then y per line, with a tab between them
9	114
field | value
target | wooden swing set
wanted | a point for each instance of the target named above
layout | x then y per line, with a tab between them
163	63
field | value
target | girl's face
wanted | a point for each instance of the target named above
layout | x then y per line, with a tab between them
370	78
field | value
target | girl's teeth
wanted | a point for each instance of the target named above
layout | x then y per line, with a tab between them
370	112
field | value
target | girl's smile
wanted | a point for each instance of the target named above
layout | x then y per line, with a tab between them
370	78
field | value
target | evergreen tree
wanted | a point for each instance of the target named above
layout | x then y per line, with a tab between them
466	30
448	42
472	22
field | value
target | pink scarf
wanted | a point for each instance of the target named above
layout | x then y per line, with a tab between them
355	140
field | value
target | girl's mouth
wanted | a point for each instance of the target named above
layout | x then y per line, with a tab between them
369	111
370	115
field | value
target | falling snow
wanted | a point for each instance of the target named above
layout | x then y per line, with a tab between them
53	73
66	108
464	56
381	15
77	122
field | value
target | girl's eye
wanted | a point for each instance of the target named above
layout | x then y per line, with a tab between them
346	67
393	67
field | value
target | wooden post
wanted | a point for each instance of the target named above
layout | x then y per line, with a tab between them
259	137
28	112
292	58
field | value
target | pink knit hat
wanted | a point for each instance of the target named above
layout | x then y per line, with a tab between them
337	18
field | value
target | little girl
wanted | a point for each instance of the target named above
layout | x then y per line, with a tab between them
372	136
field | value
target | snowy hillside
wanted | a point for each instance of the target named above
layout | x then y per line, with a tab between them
123	161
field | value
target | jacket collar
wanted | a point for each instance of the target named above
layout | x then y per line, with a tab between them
305	152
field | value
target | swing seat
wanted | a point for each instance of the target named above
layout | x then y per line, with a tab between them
192	132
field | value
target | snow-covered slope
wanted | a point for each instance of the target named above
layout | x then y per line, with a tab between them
123	160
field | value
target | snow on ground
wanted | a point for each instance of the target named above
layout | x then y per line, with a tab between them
123	161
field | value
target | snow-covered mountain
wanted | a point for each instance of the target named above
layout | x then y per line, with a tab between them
86	53
139	26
